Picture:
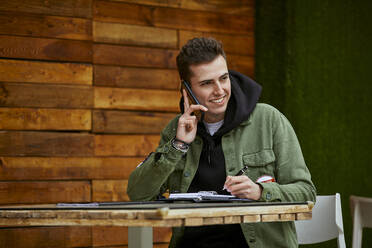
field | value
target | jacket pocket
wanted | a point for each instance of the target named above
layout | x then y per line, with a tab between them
260	163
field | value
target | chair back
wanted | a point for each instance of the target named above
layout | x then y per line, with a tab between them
326	222
361	211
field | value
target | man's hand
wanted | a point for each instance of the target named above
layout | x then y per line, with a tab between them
243	187
188	124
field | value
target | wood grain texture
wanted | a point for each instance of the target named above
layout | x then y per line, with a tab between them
45	144
117	33
234	44
125	145
129	122
78	8
45	49
46	237
44	192
67	168
136	99
174	18
35	25
45	119
239	7
127	77
109	190
134	56
243	64
115	235
45	96
45	72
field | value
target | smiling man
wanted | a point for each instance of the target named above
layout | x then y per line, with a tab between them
236	132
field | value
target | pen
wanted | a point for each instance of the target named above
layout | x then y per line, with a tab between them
241	172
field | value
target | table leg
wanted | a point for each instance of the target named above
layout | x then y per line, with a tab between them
139	237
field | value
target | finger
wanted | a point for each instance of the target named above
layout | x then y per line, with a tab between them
239	187
235	179
227	182
189	124
193	108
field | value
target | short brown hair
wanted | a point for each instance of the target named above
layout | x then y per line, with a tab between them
197	51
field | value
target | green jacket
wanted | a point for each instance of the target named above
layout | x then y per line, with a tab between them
266	142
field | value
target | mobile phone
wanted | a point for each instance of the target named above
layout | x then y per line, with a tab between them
192	99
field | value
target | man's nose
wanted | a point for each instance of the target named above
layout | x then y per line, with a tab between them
218	88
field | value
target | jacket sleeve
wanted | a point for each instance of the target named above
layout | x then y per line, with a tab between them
150	177
293	179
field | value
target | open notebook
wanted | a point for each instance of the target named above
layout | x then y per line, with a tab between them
203	196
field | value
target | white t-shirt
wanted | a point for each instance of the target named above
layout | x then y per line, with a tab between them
213	127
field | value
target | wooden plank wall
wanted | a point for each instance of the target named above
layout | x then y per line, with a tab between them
85	88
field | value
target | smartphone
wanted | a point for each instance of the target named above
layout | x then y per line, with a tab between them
192	99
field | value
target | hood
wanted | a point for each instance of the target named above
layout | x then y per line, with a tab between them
245	93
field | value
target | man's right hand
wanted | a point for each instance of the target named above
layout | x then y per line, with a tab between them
187	123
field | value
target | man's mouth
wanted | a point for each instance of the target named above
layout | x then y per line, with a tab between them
218	100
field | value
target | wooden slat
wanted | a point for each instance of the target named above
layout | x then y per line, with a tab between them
240	7
251	218
136	99
44	192
287	217
63	168
109	235
45	49
269	210
171	18
117	33
109	190
128	122
45	72
234	44
162	234
213	221
303	216
194	221
232	219
45	96
80	219
243	64
270	217
127	77
45	144
134	56
77	8
125	145
45	119
45	26
46	237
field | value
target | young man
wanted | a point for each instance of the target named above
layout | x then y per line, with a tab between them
205	155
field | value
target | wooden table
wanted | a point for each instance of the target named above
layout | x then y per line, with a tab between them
141	217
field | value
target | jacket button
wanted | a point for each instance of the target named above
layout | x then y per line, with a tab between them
268	196
166	149
186	174
197	142
252	240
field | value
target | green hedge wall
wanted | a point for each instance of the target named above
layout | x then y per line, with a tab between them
314	60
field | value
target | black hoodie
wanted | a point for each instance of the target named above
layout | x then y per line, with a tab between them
211	173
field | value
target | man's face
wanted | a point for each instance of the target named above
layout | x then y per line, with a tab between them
211	85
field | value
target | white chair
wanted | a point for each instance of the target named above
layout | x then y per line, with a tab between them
361	211
326	222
